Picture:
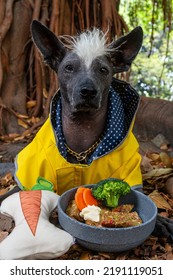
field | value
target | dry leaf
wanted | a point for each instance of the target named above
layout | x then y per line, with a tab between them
85	256
166	159
154	156
8	177
22	123
13	135
122	256
171	202
168	256
8	138
152	240
31	104
26	133
105	255
146	165
19	138
3	235
22	116
35	120
4	180
160	202
168	247
45	93
3	191
157	173
164	146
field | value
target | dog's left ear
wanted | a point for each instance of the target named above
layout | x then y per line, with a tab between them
125	49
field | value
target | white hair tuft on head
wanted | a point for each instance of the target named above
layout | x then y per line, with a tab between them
89	45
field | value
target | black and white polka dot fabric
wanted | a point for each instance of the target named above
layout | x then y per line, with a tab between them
122	105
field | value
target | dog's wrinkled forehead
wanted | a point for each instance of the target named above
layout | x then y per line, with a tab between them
90	45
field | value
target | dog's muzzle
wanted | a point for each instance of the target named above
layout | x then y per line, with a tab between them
87	93
86	96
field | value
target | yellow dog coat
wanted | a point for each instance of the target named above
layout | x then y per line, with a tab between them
42	156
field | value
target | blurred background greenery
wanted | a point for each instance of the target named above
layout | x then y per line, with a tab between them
152	71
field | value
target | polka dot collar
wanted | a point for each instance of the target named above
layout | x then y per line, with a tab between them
122	105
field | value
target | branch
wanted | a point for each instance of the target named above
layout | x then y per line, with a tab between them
17	115
7	20
4	27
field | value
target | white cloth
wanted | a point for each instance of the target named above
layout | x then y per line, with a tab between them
48	242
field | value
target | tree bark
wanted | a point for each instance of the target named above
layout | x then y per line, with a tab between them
25	79
155	116
14	50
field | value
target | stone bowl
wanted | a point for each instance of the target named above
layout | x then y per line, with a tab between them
110	239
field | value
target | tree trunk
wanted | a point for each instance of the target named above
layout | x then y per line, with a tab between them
26	84
155	116
14	51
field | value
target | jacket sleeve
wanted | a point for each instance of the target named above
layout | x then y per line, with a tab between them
31	163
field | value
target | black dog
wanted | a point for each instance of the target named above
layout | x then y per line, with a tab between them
88	136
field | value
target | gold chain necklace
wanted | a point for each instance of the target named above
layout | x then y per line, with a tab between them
83	155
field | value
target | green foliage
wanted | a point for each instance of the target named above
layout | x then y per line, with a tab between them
152	71
152	76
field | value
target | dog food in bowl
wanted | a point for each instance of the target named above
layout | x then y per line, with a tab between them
110	239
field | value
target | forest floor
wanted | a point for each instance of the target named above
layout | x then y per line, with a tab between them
157	171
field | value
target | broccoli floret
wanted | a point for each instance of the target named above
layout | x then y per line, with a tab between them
110	190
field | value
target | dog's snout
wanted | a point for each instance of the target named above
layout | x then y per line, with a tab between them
86	92
86	95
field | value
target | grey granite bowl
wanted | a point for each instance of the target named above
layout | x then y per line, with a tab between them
110	239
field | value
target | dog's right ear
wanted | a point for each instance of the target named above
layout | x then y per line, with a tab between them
51	48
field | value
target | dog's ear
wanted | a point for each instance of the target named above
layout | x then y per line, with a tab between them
51	48
125	49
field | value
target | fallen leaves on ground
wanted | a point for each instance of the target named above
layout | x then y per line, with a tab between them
157	170
160	200
7	183
153	248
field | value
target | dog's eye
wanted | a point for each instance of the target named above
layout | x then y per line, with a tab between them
104	70
69	68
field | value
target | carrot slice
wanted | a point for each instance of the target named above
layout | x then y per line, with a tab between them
89	199
79	200
80	189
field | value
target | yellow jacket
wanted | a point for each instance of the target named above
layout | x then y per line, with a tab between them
42	158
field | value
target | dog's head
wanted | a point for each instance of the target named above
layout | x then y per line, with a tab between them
85	69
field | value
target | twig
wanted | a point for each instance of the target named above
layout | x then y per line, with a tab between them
35	126
80	14
37	7
7	20
17	115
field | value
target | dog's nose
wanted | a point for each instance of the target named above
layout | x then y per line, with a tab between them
85	92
